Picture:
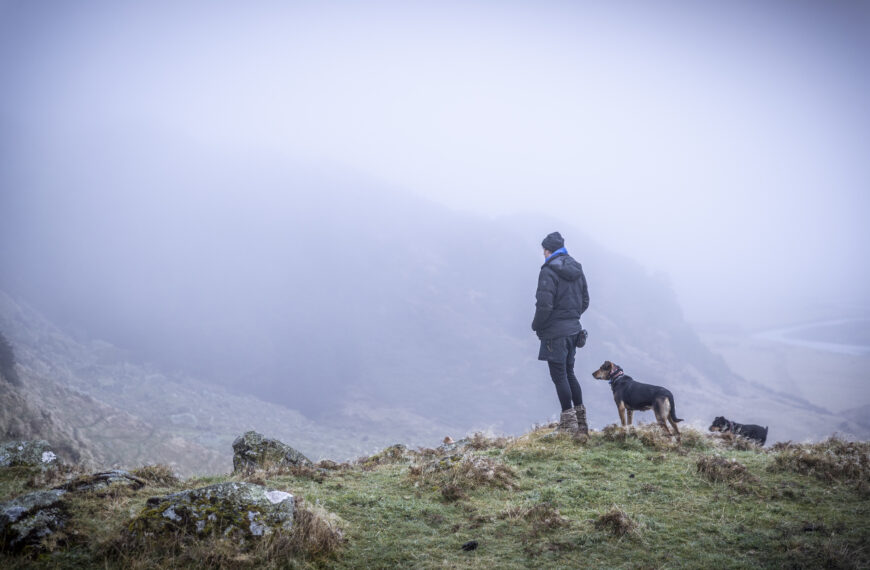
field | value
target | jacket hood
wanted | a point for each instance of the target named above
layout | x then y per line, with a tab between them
566	267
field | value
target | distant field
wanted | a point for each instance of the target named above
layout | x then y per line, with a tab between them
833	380
856	333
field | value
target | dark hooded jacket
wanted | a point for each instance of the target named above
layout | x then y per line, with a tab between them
561	297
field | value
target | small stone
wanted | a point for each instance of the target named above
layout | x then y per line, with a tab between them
469	546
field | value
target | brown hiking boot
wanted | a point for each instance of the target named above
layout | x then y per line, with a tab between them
581	419
568	424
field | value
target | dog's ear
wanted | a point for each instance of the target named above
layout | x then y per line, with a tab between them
607	365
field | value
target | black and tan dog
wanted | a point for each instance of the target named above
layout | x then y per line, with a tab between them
754	432
631	396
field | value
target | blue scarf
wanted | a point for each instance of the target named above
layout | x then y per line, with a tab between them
560	251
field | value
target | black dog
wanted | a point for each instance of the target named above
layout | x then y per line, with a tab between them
749	431
631	396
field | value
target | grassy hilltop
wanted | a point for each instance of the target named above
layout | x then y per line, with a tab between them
624	500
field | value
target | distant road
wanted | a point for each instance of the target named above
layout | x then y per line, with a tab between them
819	336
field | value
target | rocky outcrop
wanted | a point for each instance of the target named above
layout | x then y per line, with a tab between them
101	482
27	454
239	510
254	451
29	519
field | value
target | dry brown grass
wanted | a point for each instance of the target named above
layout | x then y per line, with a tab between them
479	441
718	469
834	459
451	493
316	535
456	474
331	465
158	475
316	532
617	522
394	454
55	476
736	442
650	436
542	516
271	470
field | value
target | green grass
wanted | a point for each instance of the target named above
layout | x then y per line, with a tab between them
621	501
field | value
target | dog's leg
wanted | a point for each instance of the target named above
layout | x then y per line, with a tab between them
676	430
621	408
661	409
629	413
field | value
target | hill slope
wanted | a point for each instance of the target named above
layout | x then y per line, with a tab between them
97	407
626	499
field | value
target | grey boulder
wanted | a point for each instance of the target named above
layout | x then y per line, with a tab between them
26	520
255	451
238	510
27	453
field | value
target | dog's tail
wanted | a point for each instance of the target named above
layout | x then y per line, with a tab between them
764	439
674	417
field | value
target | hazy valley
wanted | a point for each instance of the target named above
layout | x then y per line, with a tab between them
416	328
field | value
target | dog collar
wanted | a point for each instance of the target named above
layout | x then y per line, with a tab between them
619	373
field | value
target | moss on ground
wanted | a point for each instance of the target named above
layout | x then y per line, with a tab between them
624	500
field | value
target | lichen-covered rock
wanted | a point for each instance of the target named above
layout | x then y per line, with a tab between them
239	510
99	482
254	451
26	520
392	454
26	453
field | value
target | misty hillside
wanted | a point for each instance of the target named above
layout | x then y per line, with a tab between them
335	298
99	408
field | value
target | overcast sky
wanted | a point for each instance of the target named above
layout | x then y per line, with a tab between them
722	143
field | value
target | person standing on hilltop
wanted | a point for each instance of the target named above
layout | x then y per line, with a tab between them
561	298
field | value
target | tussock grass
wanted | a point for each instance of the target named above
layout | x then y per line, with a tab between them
736	442
315	535
479	442
158	475
330	465
719	469
651	436
617	522
397	453
834	459
55	476
542	516
271	470
695	440
454	475
316	532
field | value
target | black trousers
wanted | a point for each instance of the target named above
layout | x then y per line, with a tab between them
560	354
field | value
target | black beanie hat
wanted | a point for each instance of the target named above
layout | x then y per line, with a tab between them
553	242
